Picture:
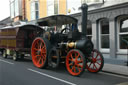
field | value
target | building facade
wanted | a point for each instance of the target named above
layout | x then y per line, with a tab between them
36	9
107	20
108	27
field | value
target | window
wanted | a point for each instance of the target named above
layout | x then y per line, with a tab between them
104	34
52	6
89	30
55	6
12	9
123	34
34	10
16	8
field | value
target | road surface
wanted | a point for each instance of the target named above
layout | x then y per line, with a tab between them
23	72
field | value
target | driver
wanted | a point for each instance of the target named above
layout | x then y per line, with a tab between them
58	28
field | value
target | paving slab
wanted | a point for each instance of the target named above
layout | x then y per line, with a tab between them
117	69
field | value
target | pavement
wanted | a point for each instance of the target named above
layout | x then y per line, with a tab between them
115	69
115	66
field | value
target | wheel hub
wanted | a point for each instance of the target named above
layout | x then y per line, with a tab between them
75	62
39	52
94	60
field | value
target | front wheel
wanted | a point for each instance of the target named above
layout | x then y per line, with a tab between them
75	62
95	62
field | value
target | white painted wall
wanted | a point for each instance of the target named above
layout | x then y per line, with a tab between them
72	6
107	3
114	2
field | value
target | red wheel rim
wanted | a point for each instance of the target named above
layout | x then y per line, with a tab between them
38	52
74	63
95	62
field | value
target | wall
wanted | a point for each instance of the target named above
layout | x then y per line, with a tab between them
111	13
28	10
107	3
62	6
42	8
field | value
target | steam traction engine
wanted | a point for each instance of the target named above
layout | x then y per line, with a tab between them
62	42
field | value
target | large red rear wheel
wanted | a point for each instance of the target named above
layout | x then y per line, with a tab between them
95	62
75	62
39	52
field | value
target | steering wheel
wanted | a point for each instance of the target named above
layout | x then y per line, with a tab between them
63	31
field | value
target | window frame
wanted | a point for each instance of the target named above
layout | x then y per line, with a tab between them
106	50
16	8
120	33
58	6
48	14
35	10
12	9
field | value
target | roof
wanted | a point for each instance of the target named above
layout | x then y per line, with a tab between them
56	20
27	26
5	21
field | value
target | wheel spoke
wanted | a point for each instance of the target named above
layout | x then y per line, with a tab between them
98	59
43	57
38	61
81	66
35	49
98	63
95	66
43	50
80	61
70	64
90	64
70	59
41	45
77	56
74	69
37	56
96	56
38	45
71	56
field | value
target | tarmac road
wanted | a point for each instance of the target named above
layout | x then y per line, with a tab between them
23	72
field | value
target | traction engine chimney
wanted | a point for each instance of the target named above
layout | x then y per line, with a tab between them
84	14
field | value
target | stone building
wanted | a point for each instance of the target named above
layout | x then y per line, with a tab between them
108	27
